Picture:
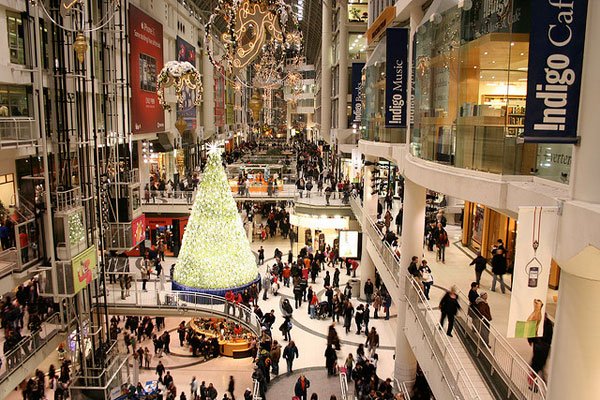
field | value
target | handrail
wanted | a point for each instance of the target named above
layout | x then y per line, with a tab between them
8	261
390	258
256	390
522	381
30	345
404	389
344	385
184	301
442	349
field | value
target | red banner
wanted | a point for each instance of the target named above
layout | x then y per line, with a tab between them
145	63
138	230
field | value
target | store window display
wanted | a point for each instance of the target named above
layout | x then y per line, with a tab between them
470	70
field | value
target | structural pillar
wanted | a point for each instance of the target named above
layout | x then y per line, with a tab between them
416	15
208	104
326	72
342	113
575	363
413	226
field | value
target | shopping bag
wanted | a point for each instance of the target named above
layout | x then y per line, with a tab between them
526	329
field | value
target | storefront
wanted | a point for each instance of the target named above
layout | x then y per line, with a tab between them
169	229
319	231
470	70
483	226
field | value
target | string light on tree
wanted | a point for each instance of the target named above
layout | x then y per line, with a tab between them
215	252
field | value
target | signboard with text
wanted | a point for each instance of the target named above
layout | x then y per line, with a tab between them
145	63
396	78
84	267
556	45
357	93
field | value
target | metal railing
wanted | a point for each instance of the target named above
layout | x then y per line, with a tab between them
68	199
158	198
403	388
8	261
520	380
387	254
14	130
344	386
443	351
184	301
357	209
28	346
256	390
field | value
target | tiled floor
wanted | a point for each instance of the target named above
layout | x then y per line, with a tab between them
309	334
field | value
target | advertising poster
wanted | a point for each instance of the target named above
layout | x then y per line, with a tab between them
348	244
396	78
187	52
145	63
536	234
84	267
138	230
554	71
219	99
357	93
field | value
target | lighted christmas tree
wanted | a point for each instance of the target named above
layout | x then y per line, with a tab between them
215	253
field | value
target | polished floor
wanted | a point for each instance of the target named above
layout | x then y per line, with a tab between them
310	334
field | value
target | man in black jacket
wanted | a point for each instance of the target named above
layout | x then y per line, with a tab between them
368	289
480	264
498	269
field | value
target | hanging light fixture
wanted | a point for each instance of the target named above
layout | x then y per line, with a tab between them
255	104
181	125
80	46
180	74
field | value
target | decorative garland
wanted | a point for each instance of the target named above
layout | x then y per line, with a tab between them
255	27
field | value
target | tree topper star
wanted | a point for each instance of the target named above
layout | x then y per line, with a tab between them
215	148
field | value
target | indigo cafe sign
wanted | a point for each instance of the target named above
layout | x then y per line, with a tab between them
555	62
357	93
396	78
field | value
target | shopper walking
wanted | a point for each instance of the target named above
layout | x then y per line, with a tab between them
289	354
426	278
498	269
275	355
369	289
231	387
484	310
373	341
301	387
480	264
449	307
330	358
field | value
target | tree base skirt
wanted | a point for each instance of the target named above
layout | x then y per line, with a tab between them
215	292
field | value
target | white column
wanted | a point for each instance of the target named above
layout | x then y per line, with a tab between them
208	104
326	72
575	363
416	15
413	225
584	175
343	66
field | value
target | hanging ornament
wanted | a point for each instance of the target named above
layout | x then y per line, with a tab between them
80	46
180	74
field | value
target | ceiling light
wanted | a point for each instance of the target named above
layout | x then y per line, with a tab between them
512	43
522	54
485	53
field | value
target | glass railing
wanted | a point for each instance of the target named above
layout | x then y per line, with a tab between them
14	358
184	301
8	261
520	381
452	369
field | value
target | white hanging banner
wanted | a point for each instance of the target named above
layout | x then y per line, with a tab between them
536	234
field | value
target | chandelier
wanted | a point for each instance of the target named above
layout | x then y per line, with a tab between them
254	27
180	74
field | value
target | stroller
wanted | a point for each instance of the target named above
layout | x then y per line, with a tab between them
323	310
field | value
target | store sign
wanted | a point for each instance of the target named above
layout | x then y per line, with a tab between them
556	48
84	267
348	244
536	234
377	28
187	111
357	93
145	62
396	78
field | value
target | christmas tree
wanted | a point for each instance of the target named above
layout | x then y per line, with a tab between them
215	253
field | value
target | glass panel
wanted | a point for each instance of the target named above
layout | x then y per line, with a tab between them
16	40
